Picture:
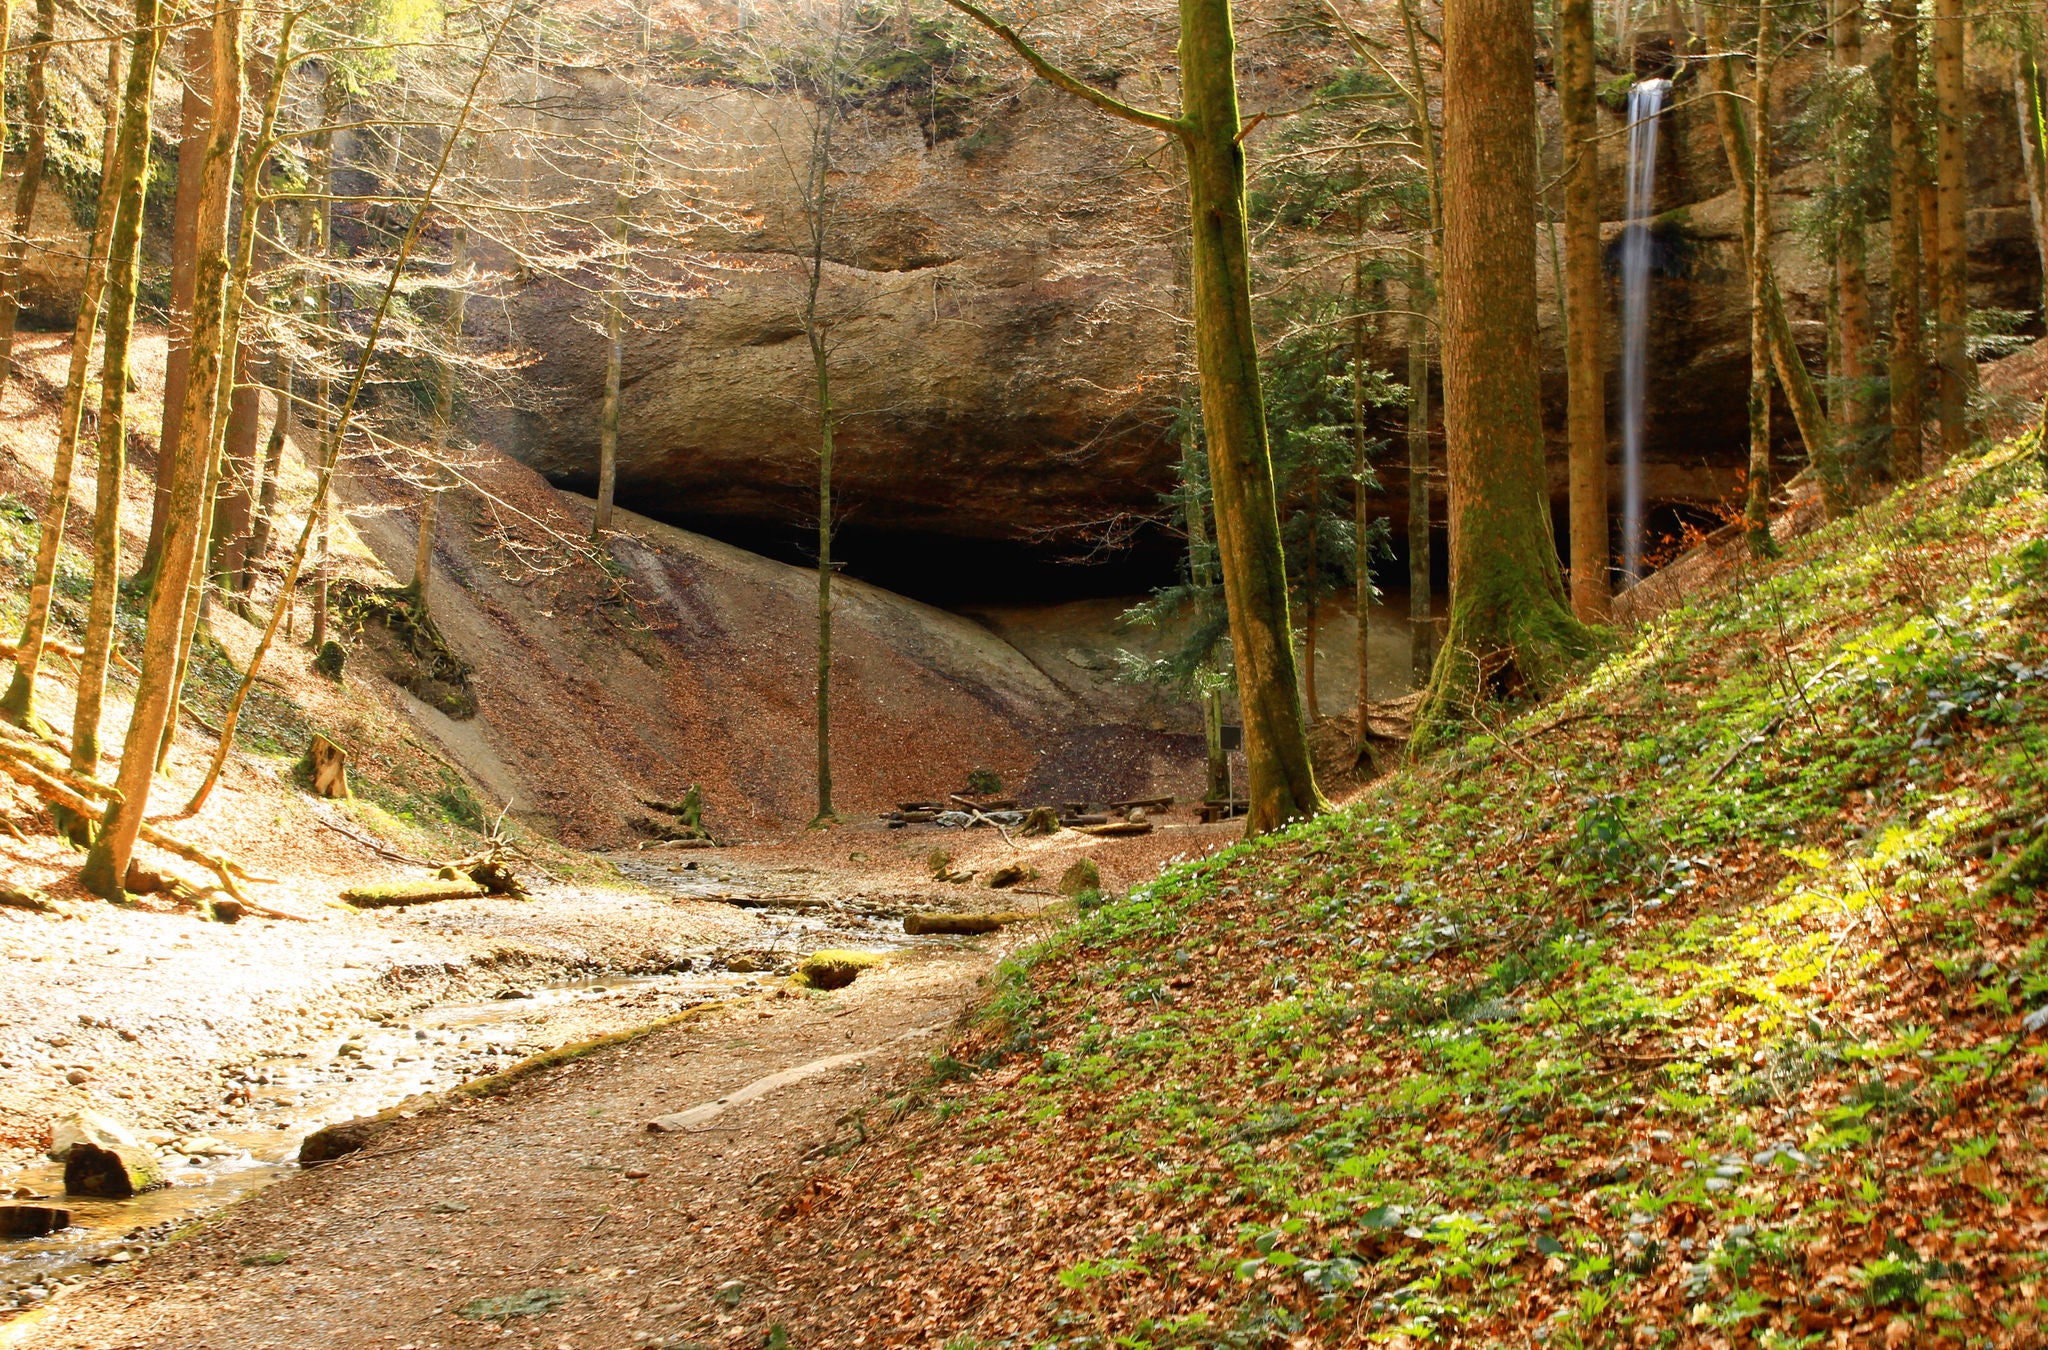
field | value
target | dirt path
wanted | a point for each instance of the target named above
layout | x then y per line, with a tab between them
554	1197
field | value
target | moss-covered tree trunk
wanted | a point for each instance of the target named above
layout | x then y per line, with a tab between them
1585	312
19	701
1957	373
1907	371
1756	512
1283	785
185	522
123	274
30	185
1510	627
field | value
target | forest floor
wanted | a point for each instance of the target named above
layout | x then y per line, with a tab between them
1704	1007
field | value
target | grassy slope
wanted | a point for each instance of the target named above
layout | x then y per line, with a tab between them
1690	1011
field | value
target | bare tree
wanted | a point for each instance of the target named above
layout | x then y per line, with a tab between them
1210	130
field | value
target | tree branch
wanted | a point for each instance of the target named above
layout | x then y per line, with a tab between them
1059	79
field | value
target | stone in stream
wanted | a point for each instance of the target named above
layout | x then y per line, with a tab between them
102	1157
32	1221
339	1140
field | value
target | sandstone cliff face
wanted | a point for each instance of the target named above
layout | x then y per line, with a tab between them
998	325
1006	325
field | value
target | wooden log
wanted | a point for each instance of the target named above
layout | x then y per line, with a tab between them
970	804
958	925
330	767
1144	804
1079	819
385	895
1117	829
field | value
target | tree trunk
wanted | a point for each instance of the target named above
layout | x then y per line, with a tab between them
1756	515
1908	366
1201	569
1361	509
197	112
185	523
122	276
234	507
6	27
1956	372
19	701
823	368
1584	303
1312	584
455	296
31	184
325	450
1510	628
1421	305
2028	105
272	469
1283	785
1857	338
1421	578
1786	361
614	358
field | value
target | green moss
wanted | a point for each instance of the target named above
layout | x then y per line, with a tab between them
385	895
834	969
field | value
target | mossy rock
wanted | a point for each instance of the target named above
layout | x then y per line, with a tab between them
1084	875
330	660
834	969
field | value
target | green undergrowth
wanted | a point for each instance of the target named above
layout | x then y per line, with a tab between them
1701	1007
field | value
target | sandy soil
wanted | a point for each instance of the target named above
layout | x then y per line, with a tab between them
555	1192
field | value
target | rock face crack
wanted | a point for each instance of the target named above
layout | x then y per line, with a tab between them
684	1122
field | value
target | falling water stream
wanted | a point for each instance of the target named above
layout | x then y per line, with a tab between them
1645	104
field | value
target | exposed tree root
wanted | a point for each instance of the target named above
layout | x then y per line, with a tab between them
60	787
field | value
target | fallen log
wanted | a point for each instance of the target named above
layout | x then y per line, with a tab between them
1117	829
1146	803
957	925
389	894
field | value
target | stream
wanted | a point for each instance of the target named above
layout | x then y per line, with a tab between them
377	1063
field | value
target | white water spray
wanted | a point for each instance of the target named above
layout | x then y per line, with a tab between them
1645	103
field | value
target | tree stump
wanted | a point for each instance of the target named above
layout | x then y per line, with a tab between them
1042	820
330	767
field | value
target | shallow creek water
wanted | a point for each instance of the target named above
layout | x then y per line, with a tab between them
289	1093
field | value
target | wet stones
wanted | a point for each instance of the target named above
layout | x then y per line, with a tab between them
32	1221
338	1141
103	1158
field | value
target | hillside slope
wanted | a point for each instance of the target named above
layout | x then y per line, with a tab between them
1702	1008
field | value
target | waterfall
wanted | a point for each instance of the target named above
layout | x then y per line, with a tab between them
1645	103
